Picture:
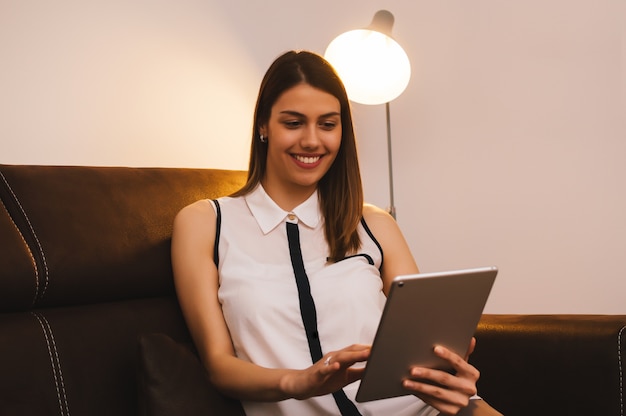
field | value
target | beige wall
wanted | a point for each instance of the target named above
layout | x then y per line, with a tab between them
509	142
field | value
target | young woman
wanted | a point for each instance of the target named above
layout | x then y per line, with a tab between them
283	283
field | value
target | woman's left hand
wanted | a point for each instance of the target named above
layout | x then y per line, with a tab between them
448	393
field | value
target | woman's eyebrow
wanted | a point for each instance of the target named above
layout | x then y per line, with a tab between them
292	113
298	114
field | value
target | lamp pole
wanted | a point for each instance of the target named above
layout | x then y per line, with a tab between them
392	207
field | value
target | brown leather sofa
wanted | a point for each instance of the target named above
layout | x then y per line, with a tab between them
89	323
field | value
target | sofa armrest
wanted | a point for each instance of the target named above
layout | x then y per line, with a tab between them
552	364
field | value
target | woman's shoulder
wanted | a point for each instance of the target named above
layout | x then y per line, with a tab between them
197	214
202	206
373	209
380	222
375	215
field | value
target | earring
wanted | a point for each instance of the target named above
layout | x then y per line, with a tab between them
263	138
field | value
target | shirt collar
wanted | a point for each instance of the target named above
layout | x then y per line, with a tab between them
269	215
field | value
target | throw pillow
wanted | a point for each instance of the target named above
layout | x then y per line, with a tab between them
173	381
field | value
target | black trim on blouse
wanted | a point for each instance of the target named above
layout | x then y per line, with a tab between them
369	232
218	227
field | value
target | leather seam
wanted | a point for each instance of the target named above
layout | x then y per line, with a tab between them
38	295
53	354
30	253
621	373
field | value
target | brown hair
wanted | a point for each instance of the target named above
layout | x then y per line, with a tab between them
340	189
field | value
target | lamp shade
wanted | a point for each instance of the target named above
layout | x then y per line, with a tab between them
372	65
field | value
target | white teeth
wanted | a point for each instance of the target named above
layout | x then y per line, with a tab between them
304	159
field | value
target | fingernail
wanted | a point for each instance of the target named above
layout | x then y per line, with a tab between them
438	349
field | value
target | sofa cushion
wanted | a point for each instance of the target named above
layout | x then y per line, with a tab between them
79	360
172	381
552	364
94	234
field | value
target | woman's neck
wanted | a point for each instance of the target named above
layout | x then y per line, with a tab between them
287	199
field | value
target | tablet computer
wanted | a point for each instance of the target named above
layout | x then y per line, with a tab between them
423	310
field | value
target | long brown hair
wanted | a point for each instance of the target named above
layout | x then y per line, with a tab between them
340	189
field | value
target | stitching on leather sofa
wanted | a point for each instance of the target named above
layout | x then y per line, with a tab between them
621	373
55	362
38	295
30	253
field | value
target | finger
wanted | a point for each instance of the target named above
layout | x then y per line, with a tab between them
350	355
470	349
431	381
354	374
357	347
345	358
328	365
338	374
445	400
462	367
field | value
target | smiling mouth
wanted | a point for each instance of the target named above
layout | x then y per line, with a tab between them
307	159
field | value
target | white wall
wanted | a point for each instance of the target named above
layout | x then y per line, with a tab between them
508	143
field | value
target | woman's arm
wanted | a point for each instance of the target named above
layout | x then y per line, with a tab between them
196	281
453	392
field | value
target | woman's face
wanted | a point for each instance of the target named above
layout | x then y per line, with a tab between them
304	136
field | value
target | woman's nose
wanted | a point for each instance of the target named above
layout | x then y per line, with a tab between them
310	138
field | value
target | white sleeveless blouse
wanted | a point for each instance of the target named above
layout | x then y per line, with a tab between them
260	302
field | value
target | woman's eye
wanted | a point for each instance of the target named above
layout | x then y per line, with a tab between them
293	124
328	125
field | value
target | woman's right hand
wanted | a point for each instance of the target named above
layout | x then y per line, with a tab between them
330	374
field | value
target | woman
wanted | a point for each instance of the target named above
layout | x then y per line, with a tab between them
282	284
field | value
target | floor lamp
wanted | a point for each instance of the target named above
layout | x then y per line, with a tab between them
374	68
